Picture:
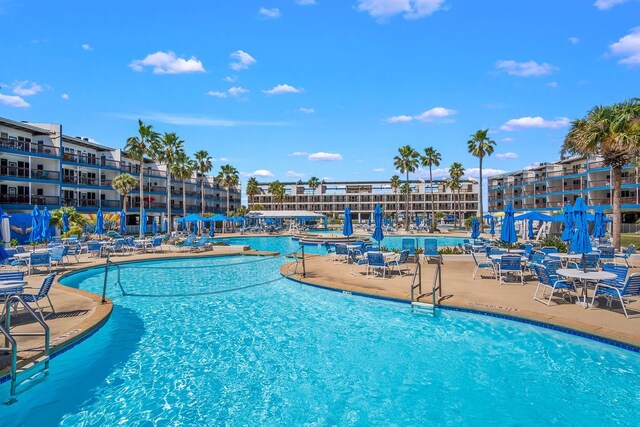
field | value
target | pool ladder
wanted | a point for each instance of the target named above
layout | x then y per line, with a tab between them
435	293
11	345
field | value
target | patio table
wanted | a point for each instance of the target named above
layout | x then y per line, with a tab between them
585	278
564	258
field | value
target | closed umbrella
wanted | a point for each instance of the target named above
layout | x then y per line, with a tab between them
417	221
212	228
165	225
195	227
143	222
492	224
377	220
46	224
580	243
99	223
598	224
569	224
347	227
36	228
123	223
475	228
65	222
154	227
531	235
6	228
508	233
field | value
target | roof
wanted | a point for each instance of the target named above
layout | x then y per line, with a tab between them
24	126
86	142
285	214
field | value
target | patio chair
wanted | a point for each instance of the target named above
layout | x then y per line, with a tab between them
94	249
201	244
74	251
357	261
12	276
119	245
509	265
187	243
548	279
486	264
410	245
549	250
590	261
330	251
607	254
401	261
631	288
626	254
39	259
58	253
342	253
619	270
375	261
431	249
43	292
156	244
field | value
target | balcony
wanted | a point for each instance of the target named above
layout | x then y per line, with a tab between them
570	187
597	165
83	180
149	205
29	147
599	183
92	161
135	170
534	179
17	172
22	199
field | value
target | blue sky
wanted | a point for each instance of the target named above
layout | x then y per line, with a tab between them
330	88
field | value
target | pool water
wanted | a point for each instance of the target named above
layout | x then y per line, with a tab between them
281	353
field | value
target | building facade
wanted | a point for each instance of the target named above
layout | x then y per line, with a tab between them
361	197
550	186
39	165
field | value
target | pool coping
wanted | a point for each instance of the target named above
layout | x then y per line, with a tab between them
527	317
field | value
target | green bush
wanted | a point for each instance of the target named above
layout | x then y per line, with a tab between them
555	242
73	231
13	243
450	250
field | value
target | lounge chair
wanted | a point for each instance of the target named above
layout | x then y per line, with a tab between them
410	245
547	278
431	249
549	250
631	288
202	243
39	259
74	251
486	264
94	249
509	265
626	254
156	244
43	292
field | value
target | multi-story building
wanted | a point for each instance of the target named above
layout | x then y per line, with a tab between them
331	198
39	165
550	186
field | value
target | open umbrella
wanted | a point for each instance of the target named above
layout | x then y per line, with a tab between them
492	224
508	233
154	227
567	233
65	222
580	243
46	224
143	222
36	228
347	227
99	223
475	228
123	223
598	224
377	220
530	234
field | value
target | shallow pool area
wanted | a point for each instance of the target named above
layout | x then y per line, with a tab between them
217	341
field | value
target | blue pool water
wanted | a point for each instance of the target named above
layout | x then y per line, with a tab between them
281	353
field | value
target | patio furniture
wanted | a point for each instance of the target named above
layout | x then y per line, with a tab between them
549	250
607	253
486	264
626	254
376	261
43	293
401	261
549	279
631	288
342	253
509	265
619	270
431	249
39	259
58	253
357	261
585	278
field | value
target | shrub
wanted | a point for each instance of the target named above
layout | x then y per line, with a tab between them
13	243
73	231
555	242
450	250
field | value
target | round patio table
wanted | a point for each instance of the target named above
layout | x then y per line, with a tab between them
585	277
565	258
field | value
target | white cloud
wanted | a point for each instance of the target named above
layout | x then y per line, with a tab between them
437	173
294	174
427	116
535	122
573	40
168	63
305	2
607	4
326	178
269	13
261	173
298	153
282	89
552	84
64	96
628	47
217	94
86	46
233	92
486	172
25	88
525	69
411	9
506	156
307	110
13	101
242	60
378	170
189	120
230	79
322	156
507	139
398	119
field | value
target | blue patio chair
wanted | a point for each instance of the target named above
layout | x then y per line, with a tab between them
590	261
58	253
20	249
330	251
342	253
12	276
156	244
74	251
528	249
94	249
619	270
548	279
410	245
43	292
431	249
357	260
626	254
631	288
119	245
549	250
187	243
39	259
509	265
401	261
607	253
73	239
375	261
486	264
201	244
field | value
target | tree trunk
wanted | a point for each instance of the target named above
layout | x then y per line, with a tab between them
460	209
616	177
169	199
433	210
202	193
397	205
228	189
406	205
184	197
480	199
141	197
124	203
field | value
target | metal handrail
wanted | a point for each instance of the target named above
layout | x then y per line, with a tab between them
436	286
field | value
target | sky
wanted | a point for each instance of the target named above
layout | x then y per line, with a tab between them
289	89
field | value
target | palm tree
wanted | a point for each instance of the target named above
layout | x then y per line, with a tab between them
203	166
431	158
456	171
183	169
395	185
228	176
313	184
277	190
75	218
253	189
480	145
614	133
124	184
406	161
137	148
166	150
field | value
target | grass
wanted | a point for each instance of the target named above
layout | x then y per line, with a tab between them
627	239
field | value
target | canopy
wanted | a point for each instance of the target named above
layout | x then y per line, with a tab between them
534	216
487	216
217	217
194	218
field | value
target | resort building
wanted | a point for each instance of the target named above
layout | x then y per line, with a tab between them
361	197
550	186
39	165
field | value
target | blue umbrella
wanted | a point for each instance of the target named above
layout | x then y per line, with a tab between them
46	224
65	222
36	227
154	227
377	220
492	224
417	221
165	225
567	233
99	222
195	227
143	222
530	234
369	220
508	233
3	254
475	228
123	223
598	224
347	227
580	243
212	229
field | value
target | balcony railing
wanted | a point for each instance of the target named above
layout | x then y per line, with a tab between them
596	165
573	187
24	173
83	180
83	159
91	203
29	147
21	199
